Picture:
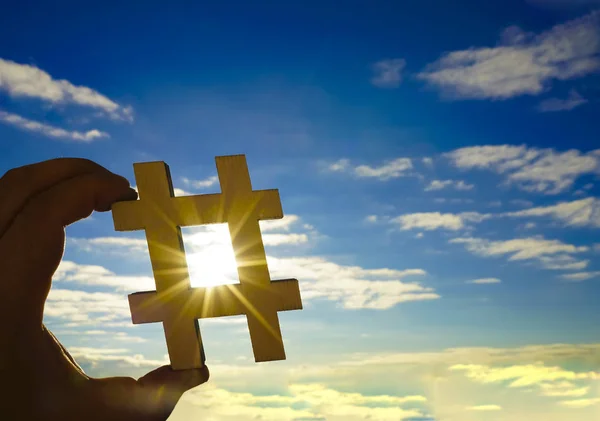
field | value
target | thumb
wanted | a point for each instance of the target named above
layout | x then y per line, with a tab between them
165	385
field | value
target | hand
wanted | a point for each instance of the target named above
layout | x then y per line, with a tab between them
39	380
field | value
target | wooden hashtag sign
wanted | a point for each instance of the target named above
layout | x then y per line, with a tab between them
175	303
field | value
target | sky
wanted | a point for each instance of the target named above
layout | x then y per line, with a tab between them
438	166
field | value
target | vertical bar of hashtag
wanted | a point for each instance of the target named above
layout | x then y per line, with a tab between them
169	264
242	207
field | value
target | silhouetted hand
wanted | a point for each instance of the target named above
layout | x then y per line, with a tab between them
39	380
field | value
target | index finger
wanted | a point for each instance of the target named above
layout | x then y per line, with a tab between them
18	185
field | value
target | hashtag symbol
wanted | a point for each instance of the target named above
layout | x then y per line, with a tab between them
175	303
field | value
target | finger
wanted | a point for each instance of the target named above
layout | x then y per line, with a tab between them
165	386
175	379
74	199
18	185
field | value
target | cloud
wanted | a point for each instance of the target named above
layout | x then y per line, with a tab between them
579	213
110	245
535	170
121	356
548	380
529	354
22	80
581	403
388	73
309	401
484	408
581	276
69	271
428	162
339	165
483	281
556	104
280	239
50	131
563	389
283	224
552	254
372	219
442	184
101	335
201	184
354	287
386	171
78	308
521	64
430	221
521	375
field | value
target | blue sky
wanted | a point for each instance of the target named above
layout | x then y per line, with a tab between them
453	144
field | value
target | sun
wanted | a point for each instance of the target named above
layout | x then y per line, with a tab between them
210	258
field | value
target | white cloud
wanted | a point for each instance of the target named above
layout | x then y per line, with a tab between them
280	239
581	213
177	192
521	64
386	171
562	262
563	389
201	184
69	271
283	224
428	162
308	401
388	73
79	308
121	356
581	276
435	220
484	408
50	131
538	375
483	281
581	403
535	170
529	354
339	165
372	219
553	254
22	80
102	335
574	100
110	244
442	184
354	287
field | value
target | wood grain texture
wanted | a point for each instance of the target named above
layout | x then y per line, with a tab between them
175	303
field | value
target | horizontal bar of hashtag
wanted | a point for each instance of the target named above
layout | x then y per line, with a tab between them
217	301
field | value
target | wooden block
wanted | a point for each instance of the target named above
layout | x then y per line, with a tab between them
175	303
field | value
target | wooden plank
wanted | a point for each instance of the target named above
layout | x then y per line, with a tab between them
175	303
